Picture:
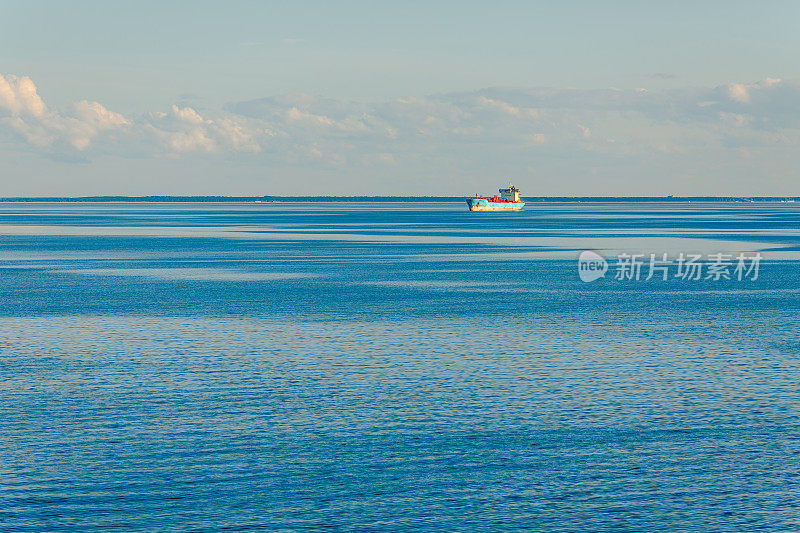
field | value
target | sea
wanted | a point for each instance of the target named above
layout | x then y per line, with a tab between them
396	366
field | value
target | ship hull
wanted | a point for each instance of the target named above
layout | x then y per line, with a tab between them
482	204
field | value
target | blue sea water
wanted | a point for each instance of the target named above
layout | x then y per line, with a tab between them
394	367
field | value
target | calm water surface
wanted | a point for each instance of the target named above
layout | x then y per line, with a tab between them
399	367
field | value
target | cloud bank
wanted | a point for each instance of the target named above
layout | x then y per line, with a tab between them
493	128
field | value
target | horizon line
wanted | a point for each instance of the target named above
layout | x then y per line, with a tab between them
384	198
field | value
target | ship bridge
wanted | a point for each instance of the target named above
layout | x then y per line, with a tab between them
511	194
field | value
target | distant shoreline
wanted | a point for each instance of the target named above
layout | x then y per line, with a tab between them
271	199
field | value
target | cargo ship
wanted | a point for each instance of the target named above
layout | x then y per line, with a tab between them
508	200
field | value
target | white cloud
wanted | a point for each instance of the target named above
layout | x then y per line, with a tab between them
18	96
457	133
89	125
507	108
186	115
31	120
181	130
739	93
236	134
98	116
303	117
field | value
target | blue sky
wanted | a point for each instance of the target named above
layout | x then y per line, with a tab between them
564	98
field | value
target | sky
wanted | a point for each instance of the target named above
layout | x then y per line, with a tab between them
409	98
